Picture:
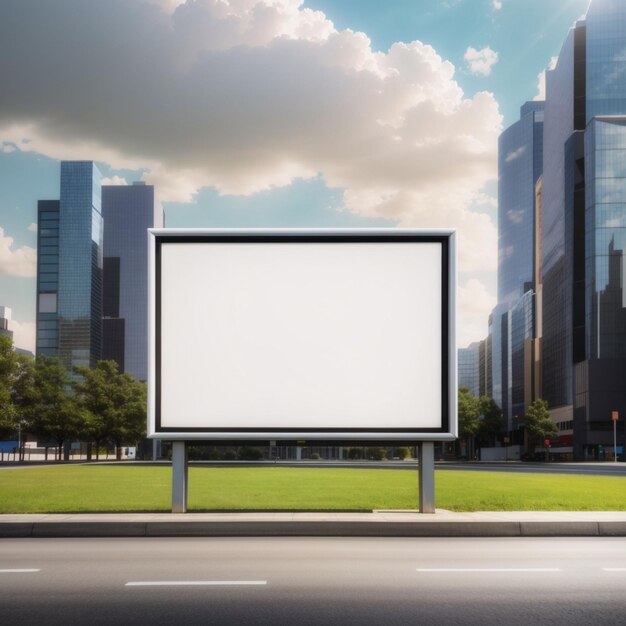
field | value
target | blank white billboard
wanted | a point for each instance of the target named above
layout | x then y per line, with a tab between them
335	335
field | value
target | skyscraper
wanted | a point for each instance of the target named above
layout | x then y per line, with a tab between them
520	163
558	331
584	229
469	368
128	212
80	264
92	270
47	277
512	323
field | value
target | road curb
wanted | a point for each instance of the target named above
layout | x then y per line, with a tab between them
66	529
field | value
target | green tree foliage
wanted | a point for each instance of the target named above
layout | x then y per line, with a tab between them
538	424
113	404
469	422
8	372
492	422
15	378
47	405
402	452
469	411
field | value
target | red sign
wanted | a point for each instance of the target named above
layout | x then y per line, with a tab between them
546	443
615	415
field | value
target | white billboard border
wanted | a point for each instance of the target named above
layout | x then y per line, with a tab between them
156	238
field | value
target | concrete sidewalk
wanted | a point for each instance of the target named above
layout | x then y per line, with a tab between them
323	524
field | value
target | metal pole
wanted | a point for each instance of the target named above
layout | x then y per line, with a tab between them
179	477
426	460
615	441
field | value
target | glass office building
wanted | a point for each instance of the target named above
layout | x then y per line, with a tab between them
47	342
521	357
520	163
497	340
557	258
128	212
469	368
606	59
605	238
69	268
92	270
80	264
584	229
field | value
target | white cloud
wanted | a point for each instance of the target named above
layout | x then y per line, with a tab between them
32	228
515	154
114	180
480	61
248	95
516	217
496	5
23	334
16	261
541	80
7	148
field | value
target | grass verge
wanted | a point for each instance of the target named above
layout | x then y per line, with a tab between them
100	488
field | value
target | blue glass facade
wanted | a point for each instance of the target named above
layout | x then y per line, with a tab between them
498	349
605	238
80	264
606	58
521	374
128	211
584	227
557	262
469	368
520	164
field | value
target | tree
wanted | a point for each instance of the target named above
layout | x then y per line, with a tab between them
48	406
468	415
492	422
8	370
538	424
114	404
22	382
15	379
92	395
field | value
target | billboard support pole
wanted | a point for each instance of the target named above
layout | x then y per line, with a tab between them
179	477
426	461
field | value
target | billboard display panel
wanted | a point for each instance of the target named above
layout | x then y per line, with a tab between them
300	334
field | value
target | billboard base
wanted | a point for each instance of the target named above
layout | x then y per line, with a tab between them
426	472
180	474
426	461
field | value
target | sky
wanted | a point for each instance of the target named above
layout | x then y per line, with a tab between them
272	113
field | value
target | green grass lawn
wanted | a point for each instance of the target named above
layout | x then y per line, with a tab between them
102	488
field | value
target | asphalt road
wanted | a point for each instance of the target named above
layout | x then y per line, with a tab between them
313	581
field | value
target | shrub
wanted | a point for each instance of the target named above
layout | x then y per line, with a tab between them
230	455
402	453
217	455
248	453
194	453
315	456
376	454
355	453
